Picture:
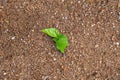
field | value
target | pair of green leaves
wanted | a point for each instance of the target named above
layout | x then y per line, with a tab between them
60	39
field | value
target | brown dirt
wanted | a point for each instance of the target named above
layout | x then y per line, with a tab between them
93	29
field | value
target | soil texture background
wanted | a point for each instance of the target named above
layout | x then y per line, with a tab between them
93	30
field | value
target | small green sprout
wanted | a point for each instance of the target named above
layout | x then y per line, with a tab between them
60	39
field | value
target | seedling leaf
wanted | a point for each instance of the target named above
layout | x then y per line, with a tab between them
52	32
60	39
62	43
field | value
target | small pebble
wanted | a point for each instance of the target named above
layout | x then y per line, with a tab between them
116	43
45	77
33	30
4	73
54	59
49	53
63	0
65	18
78	1
96	46
93	25
13	38
113	26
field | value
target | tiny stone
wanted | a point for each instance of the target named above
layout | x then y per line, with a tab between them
78	1
93	25
55	13
113	26
6	31
111	12
28	35
117	43
55	77
49	53
45	77
33	30
94	33
1	7
100	61
115	49
63	0
96	46
87	34
13	38
54	59
4	73
64	17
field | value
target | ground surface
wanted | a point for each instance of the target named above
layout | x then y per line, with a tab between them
93	29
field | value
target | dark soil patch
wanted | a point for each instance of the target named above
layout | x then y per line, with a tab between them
93	29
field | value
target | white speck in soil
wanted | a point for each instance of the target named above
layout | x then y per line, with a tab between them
28	35
116	43
45	77
100	61
117	31
32	30
93	25
96	45
1	7
37	23
55	77
87	33
113	26
25	42
82	24
55	13
94	33
65	18
63	0
111	12
6	31
13	37
4	73
54	59
72	62
78	1
49	53
115	49
47	49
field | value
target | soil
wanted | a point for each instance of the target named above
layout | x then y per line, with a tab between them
93	30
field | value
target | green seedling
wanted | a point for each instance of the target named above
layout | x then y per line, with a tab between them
60	39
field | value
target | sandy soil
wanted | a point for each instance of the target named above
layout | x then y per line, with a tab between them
93	29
